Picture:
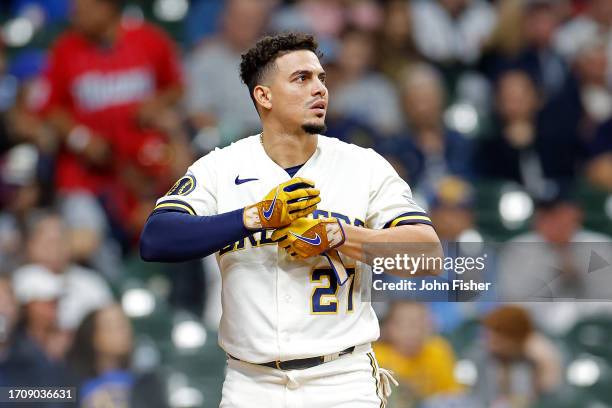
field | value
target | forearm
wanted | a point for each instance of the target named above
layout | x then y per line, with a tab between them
172	95
177	237
62	121
419	238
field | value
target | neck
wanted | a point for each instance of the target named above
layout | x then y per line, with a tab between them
40	335
428	128
106	363
109	34
288	149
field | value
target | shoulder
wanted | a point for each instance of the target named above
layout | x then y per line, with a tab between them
480	8
85	278
145	31
591	236
455	138
577	26
427	9
339	147
235	151
367	159
384	352
438	345
527	237
68	41
211	47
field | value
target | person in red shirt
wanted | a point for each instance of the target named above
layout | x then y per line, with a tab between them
112	87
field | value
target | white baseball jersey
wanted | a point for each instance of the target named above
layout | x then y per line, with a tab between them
275	308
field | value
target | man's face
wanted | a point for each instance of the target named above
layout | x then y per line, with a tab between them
516	96
297	92
423	104
8	310
408	327
92	17
558	224
503	347
47	245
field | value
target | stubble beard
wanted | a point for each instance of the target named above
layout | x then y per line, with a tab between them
314	128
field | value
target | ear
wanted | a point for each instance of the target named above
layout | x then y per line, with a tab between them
263	96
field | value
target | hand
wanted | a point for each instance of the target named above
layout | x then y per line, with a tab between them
97	152
93	148
149	111
306	237
282	205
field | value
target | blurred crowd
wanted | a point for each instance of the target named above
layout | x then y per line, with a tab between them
456	94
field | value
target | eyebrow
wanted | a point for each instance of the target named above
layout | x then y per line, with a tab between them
306	72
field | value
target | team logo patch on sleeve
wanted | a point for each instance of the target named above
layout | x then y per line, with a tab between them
183	187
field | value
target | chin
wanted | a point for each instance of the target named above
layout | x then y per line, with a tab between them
314	128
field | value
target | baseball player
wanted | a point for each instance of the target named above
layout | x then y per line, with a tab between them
275	208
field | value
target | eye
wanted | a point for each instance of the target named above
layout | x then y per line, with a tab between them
301	78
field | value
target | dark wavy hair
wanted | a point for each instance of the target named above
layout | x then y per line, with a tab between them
82	355
258	60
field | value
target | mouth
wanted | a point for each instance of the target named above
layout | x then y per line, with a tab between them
319	105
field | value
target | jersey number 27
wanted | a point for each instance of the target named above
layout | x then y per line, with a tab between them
325	294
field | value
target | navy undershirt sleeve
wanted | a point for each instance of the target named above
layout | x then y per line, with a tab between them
173	236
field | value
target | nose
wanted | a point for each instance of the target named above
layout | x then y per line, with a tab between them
319	88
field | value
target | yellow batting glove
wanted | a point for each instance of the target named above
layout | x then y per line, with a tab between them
282	205
306	237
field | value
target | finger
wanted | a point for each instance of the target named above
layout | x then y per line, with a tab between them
301	253
285	244
302	205
303	213
290	251
297	183
302	193
279	234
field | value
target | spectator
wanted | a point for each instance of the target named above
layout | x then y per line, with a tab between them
8	93
525	145
38	342
8	320
451	209
452	31
599	169
560	110
8	88
396	49
24	125
21	193
529	46
594	24
423	361
111	86
591	66
425	147
83	289
100	363
202	20
218	103
517	364
552	262
324	18
507	38
359	91
327	19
